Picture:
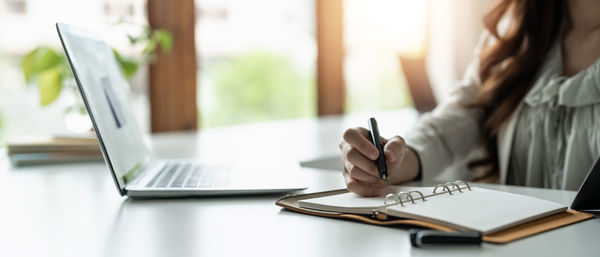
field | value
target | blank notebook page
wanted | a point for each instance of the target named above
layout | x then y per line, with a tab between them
482	210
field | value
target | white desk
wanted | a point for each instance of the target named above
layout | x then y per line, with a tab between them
75	210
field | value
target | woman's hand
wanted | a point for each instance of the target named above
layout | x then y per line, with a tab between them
358	162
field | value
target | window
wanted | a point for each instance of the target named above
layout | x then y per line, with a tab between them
376	34
20	110
256	60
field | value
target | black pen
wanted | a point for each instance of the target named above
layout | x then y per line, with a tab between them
420	238
376	139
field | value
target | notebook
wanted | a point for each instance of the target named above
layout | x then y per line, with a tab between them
32	150
460	207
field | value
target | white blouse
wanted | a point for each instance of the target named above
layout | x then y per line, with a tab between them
557	137
553	135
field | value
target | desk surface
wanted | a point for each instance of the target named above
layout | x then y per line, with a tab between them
74	209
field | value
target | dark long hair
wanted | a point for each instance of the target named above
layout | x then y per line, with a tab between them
509	67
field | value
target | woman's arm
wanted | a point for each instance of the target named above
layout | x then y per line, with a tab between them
449	132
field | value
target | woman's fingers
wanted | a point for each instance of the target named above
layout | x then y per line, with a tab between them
394	149
363	189
356	159
358	155
358	139
361	175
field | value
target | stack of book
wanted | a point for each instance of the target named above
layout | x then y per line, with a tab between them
57	149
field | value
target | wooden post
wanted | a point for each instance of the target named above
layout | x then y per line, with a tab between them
330	57
173	76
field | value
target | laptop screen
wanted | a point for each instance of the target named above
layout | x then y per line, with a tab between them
104	90
587	195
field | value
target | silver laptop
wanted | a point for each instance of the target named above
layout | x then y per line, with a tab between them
134	171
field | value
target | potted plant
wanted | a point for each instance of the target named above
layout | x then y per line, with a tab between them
49	70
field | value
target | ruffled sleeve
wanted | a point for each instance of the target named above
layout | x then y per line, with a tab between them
579	90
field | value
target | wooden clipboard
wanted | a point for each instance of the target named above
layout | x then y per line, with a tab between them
290	202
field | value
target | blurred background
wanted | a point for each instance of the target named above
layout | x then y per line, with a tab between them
256	60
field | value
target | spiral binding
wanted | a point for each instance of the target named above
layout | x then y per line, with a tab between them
447	187
402	197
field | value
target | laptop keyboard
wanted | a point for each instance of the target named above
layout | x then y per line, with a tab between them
189	175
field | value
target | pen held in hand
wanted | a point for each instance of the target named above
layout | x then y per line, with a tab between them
376	140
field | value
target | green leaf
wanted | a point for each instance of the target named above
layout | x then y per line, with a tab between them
50	83
164	39
128	66
27	64
150	48
132	39
39	60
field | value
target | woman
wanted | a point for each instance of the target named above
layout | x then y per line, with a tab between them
530	97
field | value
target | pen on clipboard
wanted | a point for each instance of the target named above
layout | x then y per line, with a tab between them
376	140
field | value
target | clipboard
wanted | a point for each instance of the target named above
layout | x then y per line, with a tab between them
535	227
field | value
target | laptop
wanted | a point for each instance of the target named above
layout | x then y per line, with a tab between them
588	195
135	172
